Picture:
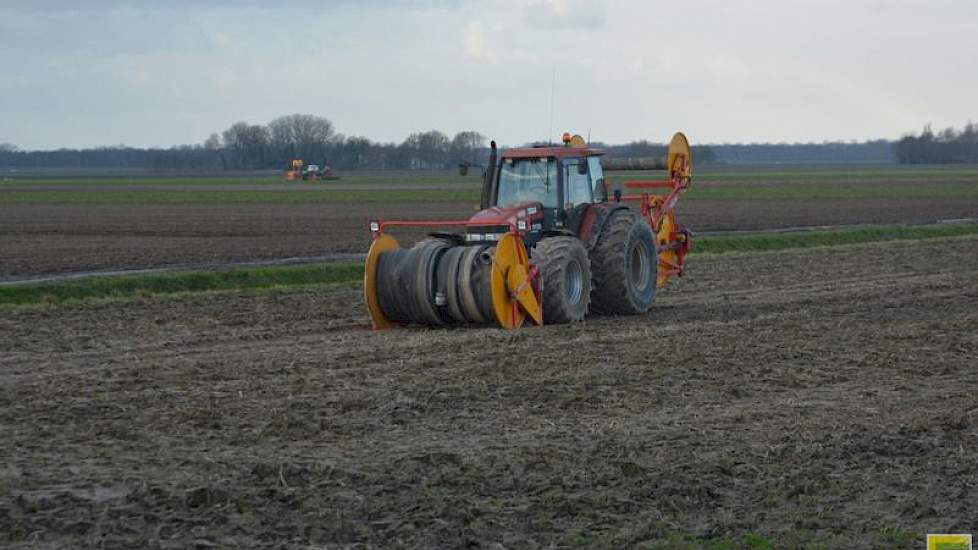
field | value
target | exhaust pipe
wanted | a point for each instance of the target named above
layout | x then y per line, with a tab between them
490	177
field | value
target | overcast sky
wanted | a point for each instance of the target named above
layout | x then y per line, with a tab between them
102	72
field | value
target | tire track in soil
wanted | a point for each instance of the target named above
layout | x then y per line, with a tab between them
341	257
45	239
824	394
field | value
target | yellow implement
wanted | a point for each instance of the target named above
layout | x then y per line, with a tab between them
445	284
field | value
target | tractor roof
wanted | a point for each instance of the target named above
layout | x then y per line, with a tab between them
559	152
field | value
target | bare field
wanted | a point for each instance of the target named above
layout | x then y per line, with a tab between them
823	397
811	399
47	238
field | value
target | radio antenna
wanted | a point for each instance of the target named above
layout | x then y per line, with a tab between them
553	87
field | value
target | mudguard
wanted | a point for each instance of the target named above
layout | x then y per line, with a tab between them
594	221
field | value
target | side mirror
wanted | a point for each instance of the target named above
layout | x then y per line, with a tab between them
463	169
601	189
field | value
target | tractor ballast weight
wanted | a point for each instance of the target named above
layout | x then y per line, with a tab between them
548	245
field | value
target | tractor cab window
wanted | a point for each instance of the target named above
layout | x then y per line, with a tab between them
577	185
597	179
528	180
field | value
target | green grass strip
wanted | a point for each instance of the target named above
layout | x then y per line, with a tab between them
284	196
839	173
855	191
809	239
130	286
394	178
259	278
806	191
949	190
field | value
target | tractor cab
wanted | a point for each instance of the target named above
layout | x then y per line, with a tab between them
556	184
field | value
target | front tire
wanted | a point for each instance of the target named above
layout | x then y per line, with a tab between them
626	266
565	271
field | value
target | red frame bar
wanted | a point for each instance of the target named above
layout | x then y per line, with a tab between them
666	204
649	184
382	225
655	207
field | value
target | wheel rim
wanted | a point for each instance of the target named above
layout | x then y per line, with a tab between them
574	282
639	271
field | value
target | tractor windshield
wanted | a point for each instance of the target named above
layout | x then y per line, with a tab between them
528	180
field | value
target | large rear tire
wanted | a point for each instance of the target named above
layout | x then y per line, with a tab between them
566	274
626	266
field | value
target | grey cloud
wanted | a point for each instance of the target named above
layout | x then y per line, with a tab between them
79	6
565	14
103	33
84	73
121	26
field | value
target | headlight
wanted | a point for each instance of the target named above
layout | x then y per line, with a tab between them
374	226
521	225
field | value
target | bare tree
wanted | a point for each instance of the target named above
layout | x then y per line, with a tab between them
248	142
427	150
434	148
213	142
947	135
467	146
302	136
214	145
970	133
353	153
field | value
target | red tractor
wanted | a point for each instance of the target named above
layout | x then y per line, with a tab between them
549	244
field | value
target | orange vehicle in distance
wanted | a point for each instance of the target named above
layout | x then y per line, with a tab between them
309	172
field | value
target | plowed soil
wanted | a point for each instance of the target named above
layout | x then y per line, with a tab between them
826	395
39	239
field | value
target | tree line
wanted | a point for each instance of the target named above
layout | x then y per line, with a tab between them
314	139
245	146
828	152
949	146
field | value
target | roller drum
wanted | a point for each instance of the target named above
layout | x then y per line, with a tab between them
436	282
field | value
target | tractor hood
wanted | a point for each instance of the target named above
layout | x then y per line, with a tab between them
509	215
